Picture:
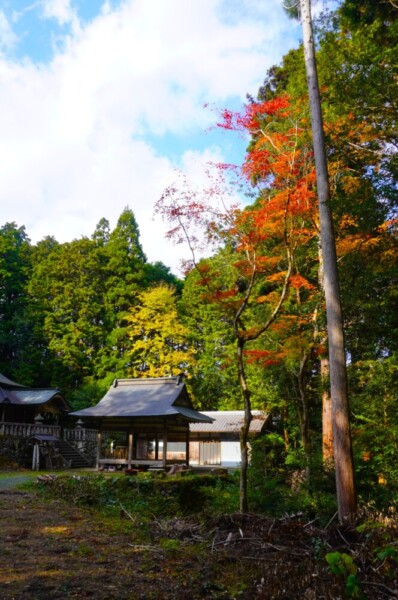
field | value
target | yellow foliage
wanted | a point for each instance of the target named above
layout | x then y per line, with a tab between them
159	339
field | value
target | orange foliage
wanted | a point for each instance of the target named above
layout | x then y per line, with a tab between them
297	282
277	277
270	298
265	236
382	242
263	358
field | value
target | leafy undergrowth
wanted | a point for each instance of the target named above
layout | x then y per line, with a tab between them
122	538
9	465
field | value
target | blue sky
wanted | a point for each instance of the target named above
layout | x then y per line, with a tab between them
102	100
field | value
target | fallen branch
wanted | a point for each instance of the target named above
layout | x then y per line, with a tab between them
393	593
230	539
143	547
126	512
310	522
343	538
332	519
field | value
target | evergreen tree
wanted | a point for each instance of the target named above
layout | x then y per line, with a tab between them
67	285
15	331
124	275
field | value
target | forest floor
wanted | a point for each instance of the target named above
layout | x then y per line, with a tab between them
54	549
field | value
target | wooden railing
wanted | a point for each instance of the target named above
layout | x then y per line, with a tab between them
27	430
80	435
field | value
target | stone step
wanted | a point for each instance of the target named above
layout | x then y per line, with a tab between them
71	455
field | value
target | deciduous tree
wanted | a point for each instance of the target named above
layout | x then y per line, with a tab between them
257	246
159	341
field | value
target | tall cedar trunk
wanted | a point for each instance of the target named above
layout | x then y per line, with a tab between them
244	432
327	421
346	499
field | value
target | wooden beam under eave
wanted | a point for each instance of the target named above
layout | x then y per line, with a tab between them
156	446
187	447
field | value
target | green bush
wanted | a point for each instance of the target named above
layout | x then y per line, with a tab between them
144	494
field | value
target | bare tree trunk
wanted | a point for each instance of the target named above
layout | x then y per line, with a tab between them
244	432
304	417
286	439
327	420
346	497
241	339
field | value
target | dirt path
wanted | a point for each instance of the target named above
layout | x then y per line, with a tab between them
13	481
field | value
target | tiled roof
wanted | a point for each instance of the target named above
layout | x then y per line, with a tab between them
14	393
7	383
145	397
35	396
229	422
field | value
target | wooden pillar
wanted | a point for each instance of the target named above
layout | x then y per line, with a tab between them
36	458
187	448
156	446
130	451
164	444
99	444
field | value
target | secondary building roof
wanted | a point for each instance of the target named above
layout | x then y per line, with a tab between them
15	393
229	422
145	397
7	383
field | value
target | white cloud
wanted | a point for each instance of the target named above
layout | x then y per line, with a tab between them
74	143
8	38
60	10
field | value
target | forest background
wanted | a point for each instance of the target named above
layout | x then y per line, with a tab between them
77	315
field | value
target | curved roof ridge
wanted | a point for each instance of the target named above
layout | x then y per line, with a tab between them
254	411
146	381
8	382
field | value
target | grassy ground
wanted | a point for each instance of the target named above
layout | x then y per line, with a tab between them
13	479
87	537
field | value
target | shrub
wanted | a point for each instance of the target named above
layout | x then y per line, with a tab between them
143	494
